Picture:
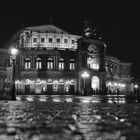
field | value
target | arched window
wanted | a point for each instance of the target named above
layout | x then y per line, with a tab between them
27	63
95	82
72	64
49	63
38	63
61	64
93	63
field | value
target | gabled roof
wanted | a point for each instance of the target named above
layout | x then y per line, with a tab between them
46	29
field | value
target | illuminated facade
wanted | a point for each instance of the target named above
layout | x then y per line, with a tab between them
52	61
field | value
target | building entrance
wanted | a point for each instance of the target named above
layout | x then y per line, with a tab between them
95	82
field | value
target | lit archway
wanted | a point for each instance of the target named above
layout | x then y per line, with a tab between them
95	82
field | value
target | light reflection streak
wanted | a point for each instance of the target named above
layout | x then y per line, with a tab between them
42	100
85	101
18	98
111	95
98	117
30	98
56	100
95	101
122	120
116	100
68	99
110	101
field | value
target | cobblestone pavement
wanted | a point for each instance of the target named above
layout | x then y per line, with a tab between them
69	118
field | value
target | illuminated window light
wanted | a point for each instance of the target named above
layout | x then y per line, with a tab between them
17	82
43	82
50	80
119	85
68	82
38	80
67	89
115	84
109	84
28	81
61	80
72	80
122	85
55	82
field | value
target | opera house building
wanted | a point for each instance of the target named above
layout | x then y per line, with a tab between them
53	61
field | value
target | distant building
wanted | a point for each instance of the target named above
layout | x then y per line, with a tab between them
52	61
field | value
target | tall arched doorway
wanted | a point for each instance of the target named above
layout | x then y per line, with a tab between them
95	82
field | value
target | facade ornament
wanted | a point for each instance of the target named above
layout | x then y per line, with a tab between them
25	38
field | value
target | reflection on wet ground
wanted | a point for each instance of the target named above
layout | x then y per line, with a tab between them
70	118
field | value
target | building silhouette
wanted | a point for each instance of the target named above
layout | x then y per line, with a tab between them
52	61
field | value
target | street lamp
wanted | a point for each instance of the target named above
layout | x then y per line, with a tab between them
135	89
14	52
108	87
85	75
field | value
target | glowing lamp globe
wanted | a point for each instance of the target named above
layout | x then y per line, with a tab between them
14	51
136	86
85	75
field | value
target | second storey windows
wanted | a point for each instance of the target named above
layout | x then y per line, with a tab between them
38	63
27	63
72	64
61	63
49	63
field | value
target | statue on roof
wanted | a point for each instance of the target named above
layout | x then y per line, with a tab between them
89	32
24	38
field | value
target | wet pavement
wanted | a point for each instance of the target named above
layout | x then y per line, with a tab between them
70	118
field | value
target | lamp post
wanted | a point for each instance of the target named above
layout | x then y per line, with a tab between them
85	75
14	52
135	89
108	87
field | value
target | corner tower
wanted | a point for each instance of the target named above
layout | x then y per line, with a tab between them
91	54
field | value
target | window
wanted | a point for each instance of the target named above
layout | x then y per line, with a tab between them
38	63
42	39
34	39
58	40
49	63
65	40
27	63
50	39
93	63
72	64
61	64
73	41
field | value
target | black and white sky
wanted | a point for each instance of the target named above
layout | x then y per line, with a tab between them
117	21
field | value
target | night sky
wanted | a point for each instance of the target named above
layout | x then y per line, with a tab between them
118	23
